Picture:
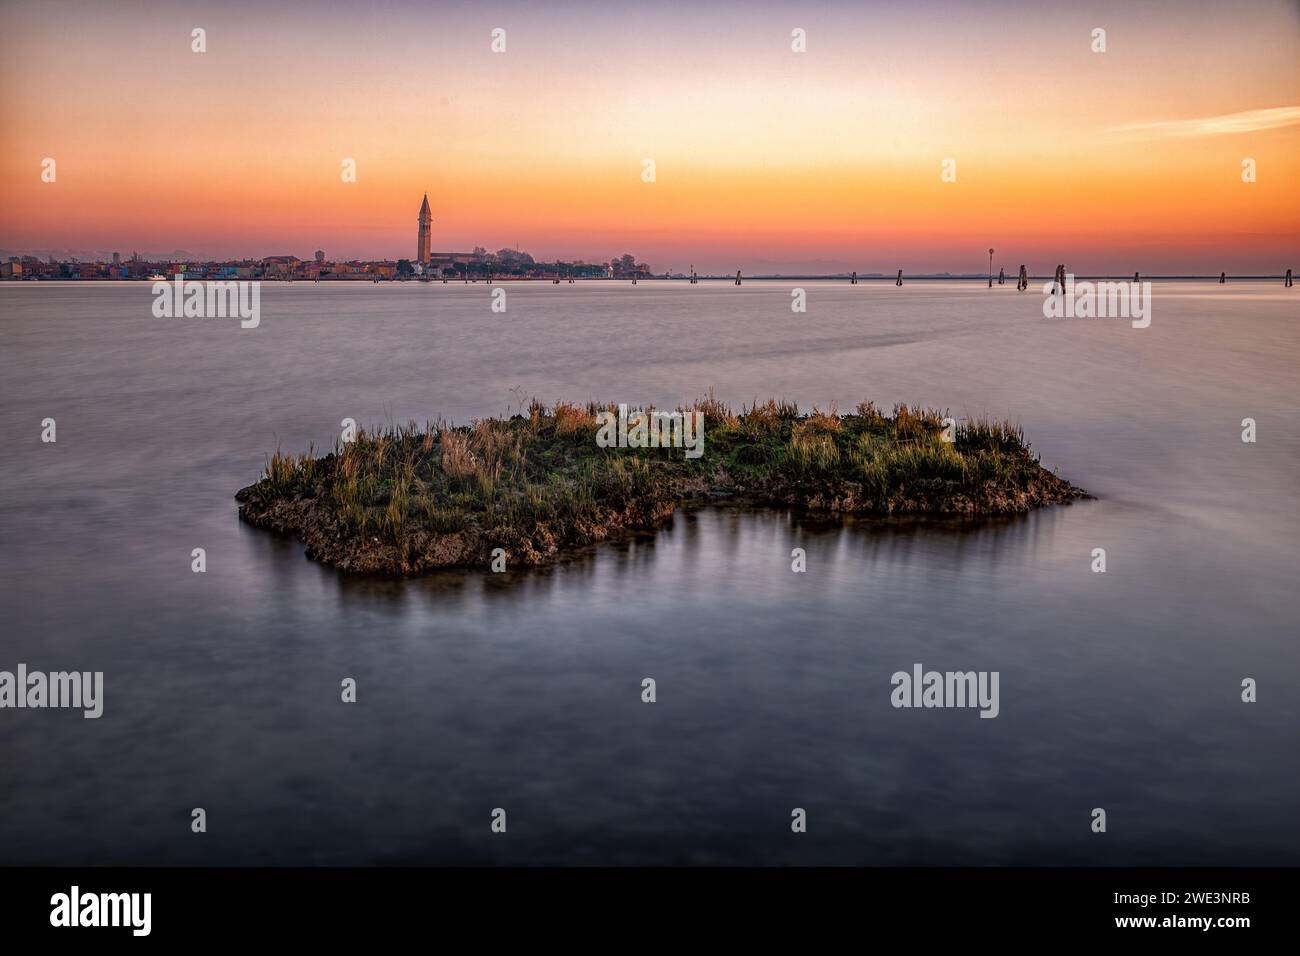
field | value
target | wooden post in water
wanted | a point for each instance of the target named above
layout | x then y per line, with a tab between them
737	277
1061	276
1022	283
854	280
1223	278
1287	284
899	280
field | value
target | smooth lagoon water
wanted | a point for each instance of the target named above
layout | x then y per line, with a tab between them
523	691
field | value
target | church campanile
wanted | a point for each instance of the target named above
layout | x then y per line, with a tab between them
426	226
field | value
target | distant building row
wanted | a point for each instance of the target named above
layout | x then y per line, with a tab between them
272	267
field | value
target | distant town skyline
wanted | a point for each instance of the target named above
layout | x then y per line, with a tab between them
764	158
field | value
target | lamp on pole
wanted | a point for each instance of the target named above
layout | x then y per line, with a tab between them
990	268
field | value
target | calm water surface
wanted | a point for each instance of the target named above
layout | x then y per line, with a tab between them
1118	690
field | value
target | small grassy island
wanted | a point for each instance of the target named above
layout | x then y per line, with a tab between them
407	500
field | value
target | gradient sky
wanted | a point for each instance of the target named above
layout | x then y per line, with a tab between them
766	160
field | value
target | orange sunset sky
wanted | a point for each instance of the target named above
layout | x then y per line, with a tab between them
766	159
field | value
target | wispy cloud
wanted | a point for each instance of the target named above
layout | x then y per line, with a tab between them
1245	122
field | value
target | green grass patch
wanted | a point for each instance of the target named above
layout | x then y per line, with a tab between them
406	499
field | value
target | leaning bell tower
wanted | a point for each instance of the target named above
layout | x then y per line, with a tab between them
426	225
